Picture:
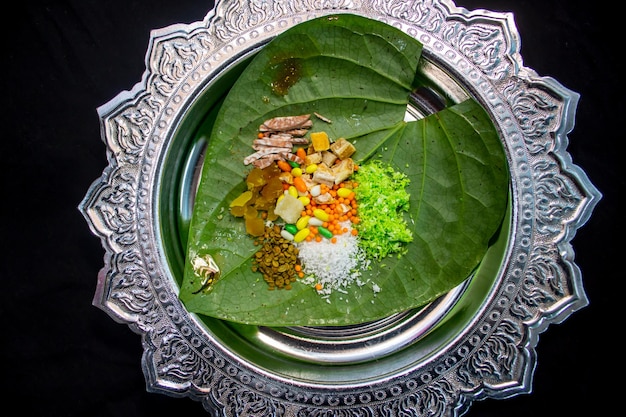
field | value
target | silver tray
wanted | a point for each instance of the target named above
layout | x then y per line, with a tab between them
476	342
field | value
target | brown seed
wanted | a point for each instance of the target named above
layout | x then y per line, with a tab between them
276	259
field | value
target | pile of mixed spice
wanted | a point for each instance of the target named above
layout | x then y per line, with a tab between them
301	206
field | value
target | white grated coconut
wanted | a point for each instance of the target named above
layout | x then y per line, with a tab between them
333	265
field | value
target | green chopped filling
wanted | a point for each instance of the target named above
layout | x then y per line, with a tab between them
382	200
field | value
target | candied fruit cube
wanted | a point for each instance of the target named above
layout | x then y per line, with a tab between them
320	141
289	208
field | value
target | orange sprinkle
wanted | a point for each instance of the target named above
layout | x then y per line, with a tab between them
284	166
298	267
299	183
333	240
354	232
318	286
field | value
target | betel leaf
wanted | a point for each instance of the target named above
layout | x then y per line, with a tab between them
358	73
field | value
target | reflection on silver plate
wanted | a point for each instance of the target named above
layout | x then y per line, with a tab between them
476	342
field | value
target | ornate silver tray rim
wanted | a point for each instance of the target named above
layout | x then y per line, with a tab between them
494	356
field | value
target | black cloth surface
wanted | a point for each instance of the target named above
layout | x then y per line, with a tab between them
61	60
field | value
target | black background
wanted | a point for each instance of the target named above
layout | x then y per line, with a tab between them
60	60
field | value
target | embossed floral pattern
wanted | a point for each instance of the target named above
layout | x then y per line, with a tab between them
551	200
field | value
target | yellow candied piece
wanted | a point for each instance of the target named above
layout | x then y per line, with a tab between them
320	141
242	199
256	179
272	189
238	211
321	214
293	191
344	192
255	226
301	235
302	222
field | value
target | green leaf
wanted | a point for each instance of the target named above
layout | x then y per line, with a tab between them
358	73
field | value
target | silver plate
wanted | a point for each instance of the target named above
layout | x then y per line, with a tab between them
476	342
